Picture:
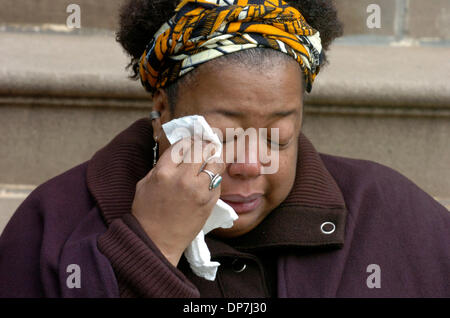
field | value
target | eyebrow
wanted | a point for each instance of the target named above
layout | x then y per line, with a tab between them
238	114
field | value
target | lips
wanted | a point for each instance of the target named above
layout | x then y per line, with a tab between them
243	204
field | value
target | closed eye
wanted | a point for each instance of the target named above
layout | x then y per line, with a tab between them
280	145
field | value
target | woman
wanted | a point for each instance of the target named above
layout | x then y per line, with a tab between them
320	226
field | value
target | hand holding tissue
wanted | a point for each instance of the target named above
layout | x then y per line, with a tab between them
222	215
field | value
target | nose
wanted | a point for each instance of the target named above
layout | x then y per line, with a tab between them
244	170
247	169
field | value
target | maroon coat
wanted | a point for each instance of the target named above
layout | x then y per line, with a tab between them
390	238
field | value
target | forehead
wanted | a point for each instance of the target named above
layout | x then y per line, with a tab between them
255	92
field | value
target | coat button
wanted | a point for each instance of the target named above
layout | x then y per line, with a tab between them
238	266
328	228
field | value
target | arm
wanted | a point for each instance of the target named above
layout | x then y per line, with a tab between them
125	242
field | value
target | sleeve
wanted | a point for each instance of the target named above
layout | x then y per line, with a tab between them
20	245
141	269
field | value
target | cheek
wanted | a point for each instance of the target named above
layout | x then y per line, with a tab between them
281	182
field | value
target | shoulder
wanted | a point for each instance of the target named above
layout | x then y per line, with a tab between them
354	173
356	177
63	200
68	181
67	188
375	190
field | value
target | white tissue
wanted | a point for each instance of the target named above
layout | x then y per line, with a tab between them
223	215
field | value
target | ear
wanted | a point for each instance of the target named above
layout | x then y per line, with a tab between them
160	104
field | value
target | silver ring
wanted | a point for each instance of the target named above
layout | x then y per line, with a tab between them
216	179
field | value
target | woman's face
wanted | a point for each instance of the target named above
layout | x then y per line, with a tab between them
232	98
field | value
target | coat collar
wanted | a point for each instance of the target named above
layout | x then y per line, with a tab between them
314	199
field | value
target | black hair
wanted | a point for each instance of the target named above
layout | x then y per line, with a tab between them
140	19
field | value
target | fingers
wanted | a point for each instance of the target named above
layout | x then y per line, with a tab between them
198	153
175	155
167	163
194	161
211	177
215	165
185	159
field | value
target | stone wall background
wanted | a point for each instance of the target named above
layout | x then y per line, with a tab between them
418	19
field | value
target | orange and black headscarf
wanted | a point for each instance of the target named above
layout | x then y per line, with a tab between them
202	30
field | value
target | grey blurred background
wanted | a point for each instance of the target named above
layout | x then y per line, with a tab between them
64	93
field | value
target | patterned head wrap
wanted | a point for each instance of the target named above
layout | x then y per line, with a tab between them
202	30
